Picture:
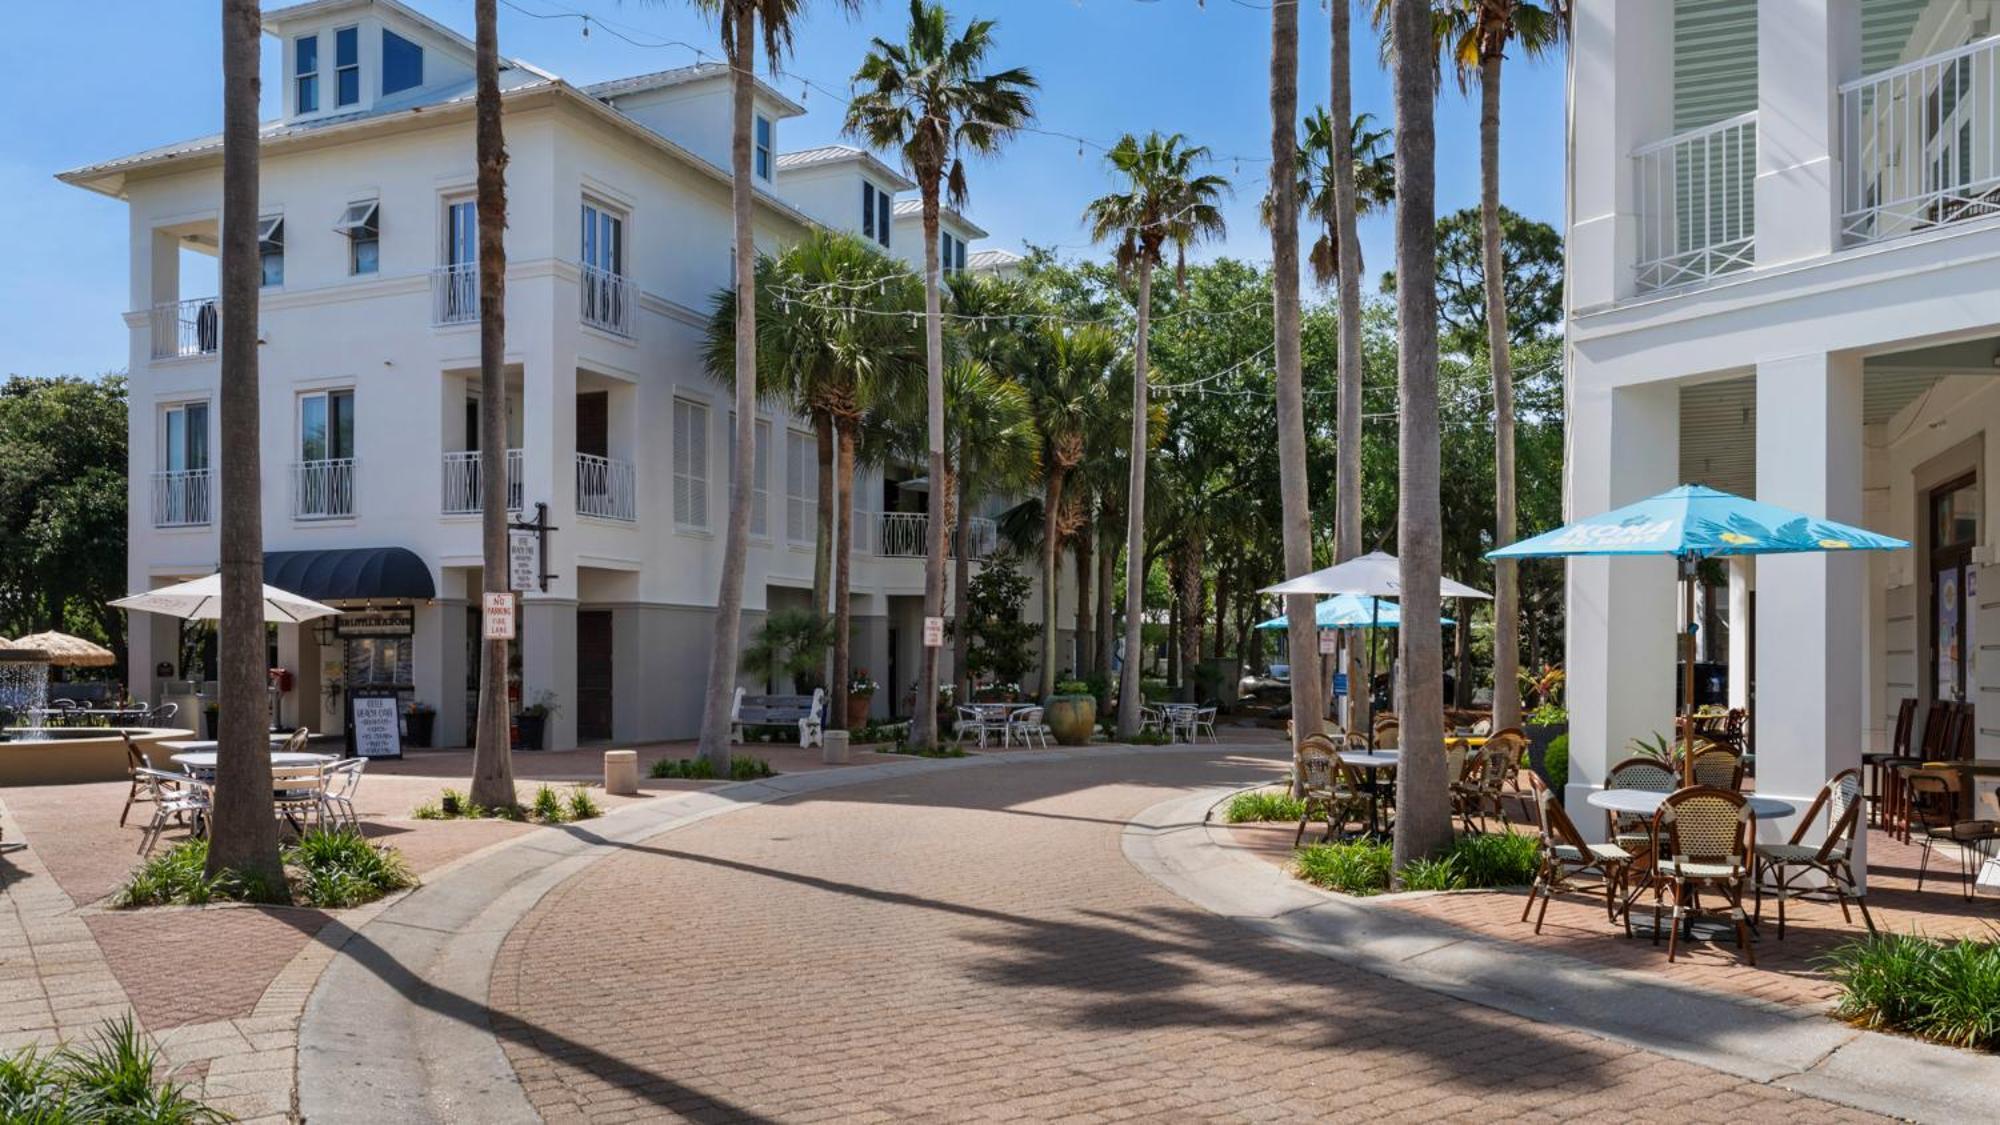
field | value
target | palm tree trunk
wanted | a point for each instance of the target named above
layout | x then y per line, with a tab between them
1189	574
923	726
1052	489
1107	571
244	836
1423	820
1086	635
1348	361
1302	637
823	513
843	576
1129	700
492	758
721	687
1506	579
961	587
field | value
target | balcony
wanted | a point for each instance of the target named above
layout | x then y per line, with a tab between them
906	535
604	488
462	492
1922	143
607	300
186	328
455	294
1697	204
181	498
323	490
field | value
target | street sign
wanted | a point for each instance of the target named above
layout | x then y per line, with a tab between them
933	632
499	617
1329	642
524	559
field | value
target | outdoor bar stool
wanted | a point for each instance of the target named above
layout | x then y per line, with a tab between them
1831	857
1875	762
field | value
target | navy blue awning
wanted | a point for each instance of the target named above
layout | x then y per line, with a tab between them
350	574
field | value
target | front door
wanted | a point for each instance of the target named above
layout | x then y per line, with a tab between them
1954	528
593	674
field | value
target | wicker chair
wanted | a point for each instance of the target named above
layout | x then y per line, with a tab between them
1633	831
1565	854
1518	742
1718	766
1780	866
1388	734
1483	791
1332	793
1707	842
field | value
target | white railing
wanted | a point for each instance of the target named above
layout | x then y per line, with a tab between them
606	299
604	488
1697	204
1922	144
181	498
455	293
462	493
323	489
185	328
906	535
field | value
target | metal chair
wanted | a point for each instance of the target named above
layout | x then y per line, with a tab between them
173	795
1027	725
1876	762
1934	807
974	721
296	792
339	781
135	760
162	715
1202	721
1707	841
1565	853
1842	799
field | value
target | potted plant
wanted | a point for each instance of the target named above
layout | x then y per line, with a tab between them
860	693
533	720
1071	712
419	721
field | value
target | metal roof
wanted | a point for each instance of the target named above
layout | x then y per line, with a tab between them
914	209
684	76
825	155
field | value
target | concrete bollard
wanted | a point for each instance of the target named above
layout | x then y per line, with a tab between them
833	750
621	772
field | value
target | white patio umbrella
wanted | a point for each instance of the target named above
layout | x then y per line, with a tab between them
1376	574
201	600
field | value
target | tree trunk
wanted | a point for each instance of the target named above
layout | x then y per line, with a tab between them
1506	578
1423	820
1461	652
1086	633
843	577
1107	572
1129	700
1302	636
1348	361
961	585
1052	491
923	726
1221	610
243	835
492	757
822	592
1189	574
728	639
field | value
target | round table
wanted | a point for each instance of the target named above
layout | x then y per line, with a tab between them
1645	802
204	760
1373	761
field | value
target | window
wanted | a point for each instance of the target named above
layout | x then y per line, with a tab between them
874	213
763	155
801	485
603	239
760	493
361	225
326	426
461	244
346	66
185	448
950	250
882	205
271	249
958	256
402	63
305	73
690	463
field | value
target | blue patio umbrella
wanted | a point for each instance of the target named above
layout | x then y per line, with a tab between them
1352	611
1692	523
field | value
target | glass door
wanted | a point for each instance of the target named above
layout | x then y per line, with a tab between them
1954	529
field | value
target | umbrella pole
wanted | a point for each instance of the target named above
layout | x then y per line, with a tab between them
1374	627
1687	656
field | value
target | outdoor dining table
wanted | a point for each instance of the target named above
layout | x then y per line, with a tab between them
203	761
1646	802
1001	713
1373	761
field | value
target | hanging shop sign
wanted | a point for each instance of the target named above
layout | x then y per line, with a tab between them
394	621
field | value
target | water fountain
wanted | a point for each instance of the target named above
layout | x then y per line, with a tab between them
24	689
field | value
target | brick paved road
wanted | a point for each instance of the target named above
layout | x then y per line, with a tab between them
973	945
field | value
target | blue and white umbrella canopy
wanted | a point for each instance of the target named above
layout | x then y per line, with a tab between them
1352	611
1694	520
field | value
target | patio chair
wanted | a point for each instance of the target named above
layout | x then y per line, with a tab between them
1484	789
162	715
1201	721
1876	761
1517	740
296	792
135	760
974	722
1151	719
1028	726
336	796
1332	792
1718	766
1633	831
1934	805
1841	798
1565	854
1707	843
1388	734
173	796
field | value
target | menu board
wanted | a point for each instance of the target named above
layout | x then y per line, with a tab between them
374	722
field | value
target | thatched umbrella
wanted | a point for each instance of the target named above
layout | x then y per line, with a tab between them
65	651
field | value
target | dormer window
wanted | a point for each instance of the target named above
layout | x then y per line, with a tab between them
402	64
361	225
951	253
763	153
305	73
874	213
346	66
271	249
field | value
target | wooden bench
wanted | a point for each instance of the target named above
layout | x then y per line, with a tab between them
806	712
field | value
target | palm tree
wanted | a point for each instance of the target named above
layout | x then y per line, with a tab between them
1371	175
1294	501
932	99
1165	203
244	837
739	25
492	760
1423	820
992	438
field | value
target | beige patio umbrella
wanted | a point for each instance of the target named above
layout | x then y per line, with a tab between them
201	600
65	651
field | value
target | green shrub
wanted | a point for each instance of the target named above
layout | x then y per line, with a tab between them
547	807
339	868
581	806
1072	687
1497	859
741	768
453	805
1555	762
176	877
1264	804
941	750
1357	867
1948	991
109	1079
1440	874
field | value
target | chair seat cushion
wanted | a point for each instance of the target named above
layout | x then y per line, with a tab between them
1696	869
1966	830
1634	841
1599	853
1796	853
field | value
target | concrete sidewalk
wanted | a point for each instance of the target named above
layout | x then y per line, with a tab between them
1788	1047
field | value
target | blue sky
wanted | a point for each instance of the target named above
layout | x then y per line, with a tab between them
1105	66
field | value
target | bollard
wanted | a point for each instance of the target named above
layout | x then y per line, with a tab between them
833	750
621	772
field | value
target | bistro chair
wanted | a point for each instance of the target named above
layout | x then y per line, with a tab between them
296	792
135	761
173	796
1875	762
973	722
1719	767
1633	831
1841	798
162	715
1934	809
1200	722
1479	793
336	796
1332	793
1565	854
1027	726
1388	734
1517	742
1707	843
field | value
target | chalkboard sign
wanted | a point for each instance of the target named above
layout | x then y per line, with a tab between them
374	723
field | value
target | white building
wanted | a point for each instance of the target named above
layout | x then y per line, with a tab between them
618	237
1782	282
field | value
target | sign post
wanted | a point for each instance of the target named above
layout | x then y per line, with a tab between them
528	552
933	632
498	618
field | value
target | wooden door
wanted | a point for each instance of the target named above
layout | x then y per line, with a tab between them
593	674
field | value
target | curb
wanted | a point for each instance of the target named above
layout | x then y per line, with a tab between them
1797	1049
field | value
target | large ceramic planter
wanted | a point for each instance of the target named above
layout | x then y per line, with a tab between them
418	727
532	727
857	711
1539	736
1071	718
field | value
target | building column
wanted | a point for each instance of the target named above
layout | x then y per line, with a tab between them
548	663
1621	76
1625	446
298	651
1805	49
1809	606
1742	583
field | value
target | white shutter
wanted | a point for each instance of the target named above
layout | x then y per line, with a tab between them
681	441
760	478
690	463
800	463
